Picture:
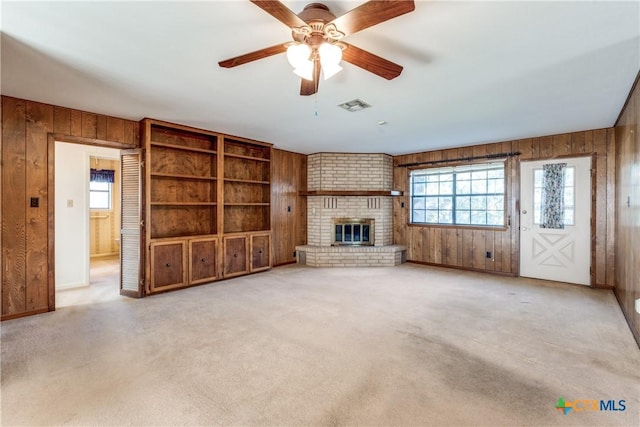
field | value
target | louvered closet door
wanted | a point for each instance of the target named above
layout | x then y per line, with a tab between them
131	254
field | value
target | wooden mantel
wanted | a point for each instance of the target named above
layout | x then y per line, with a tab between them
370	193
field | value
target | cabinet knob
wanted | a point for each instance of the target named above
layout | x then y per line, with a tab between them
260	251
168	265
235	255
203	260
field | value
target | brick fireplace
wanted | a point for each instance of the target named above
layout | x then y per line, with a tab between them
357	187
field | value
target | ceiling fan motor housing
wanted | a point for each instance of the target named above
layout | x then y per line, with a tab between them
316	15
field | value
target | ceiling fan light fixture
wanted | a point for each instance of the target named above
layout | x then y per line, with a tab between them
330	70
305	71
298	54
330	57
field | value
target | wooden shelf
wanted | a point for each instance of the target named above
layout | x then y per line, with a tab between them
240	156
246	181
182	147
352	193
175	175
183	203
247	204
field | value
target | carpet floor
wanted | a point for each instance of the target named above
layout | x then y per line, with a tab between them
408	345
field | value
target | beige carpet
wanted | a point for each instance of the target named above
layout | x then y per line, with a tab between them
408	345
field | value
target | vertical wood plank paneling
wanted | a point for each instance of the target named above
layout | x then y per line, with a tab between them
627	210
62	120
288	208
13	202
39	122
600	145
400	204
89	125
546	147
76	123
115	129
101	127
562	145
611	208
578	144
301	217
129	132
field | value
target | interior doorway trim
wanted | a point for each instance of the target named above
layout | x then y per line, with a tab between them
51	149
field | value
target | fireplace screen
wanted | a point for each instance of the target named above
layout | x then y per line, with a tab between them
353	231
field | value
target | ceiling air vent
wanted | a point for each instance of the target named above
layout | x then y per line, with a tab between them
354	105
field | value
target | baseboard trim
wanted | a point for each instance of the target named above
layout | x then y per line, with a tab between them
285	263
24	314
71	286
456	267
634	330
106	255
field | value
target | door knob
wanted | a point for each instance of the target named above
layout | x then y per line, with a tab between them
524	212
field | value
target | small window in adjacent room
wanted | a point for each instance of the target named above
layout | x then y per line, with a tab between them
461	195
100	183
99	195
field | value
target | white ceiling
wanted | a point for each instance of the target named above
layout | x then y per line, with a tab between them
474	72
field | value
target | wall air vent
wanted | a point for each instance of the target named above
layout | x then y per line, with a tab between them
354	105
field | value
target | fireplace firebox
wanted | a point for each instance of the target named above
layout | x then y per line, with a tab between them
353	232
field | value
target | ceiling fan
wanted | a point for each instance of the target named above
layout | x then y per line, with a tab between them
317	39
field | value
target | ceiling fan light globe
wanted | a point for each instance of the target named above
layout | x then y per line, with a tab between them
330	54
298	54
330	70
305	71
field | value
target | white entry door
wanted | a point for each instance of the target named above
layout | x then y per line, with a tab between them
562	254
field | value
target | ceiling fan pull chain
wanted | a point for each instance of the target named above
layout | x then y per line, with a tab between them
315	98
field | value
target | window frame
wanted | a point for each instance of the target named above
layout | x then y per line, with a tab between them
506	218
109	192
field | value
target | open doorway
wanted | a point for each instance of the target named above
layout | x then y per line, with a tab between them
87	224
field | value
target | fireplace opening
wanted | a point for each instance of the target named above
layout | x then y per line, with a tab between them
353	231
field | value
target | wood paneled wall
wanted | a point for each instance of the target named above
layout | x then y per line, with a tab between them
26	126
627	210
288	209
466	247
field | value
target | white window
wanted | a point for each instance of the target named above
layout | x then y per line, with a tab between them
99	195
460	195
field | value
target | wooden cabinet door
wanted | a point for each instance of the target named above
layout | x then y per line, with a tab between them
260	252
235	256
167	265
203	256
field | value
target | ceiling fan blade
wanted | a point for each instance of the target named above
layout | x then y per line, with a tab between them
370	62
253	56
309	87
281	12
371	13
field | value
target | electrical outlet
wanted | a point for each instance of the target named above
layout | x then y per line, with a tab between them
288	208
35	202
294	254
70	203
402	204
489	255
